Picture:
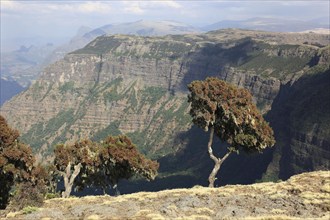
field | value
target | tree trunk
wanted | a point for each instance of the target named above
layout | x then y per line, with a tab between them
217	161
214	172
69	178
117	193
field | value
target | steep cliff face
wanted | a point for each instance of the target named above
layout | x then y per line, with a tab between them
137	85
300	115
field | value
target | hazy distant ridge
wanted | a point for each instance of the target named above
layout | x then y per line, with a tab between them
269	24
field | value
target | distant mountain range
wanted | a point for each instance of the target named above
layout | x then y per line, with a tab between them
146	28
140	28
270	24
161	28
26	65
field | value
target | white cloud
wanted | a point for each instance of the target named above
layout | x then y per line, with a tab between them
299	3
91	7
141	7
133	7
88	7
28	7
171	4
10	6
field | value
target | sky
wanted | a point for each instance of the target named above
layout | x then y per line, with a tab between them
54	21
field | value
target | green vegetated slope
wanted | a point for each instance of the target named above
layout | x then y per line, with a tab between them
148	115
137	86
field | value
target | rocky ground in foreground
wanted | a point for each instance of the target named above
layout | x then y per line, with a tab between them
304	196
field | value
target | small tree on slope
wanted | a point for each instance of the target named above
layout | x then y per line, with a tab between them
230	113
88	163
17	171
16	161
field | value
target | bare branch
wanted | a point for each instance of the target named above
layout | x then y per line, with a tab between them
225	157
75	173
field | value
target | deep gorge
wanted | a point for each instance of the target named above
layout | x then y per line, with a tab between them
137	86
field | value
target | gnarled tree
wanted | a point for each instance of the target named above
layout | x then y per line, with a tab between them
122	160
69	160
88	163
230	113
17	168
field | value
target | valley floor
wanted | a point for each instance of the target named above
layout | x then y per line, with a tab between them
304	196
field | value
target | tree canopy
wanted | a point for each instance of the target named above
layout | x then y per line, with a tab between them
83	163
101	164
229	112
16	165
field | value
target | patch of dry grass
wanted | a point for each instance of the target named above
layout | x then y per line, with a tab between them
304	196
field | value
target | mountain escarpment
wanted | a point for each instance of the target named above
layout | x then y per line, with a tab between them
137	86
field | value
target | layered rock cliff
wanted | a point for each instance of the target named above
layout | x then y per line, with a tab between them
137	85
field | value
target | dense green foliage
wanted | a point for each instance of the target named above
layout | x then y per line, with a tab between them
112	129
67	87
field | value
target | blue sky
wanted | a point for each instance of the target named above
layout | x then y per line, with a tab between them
53	20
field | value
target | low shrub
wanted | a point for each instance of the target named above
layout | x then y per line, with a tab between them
27	195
